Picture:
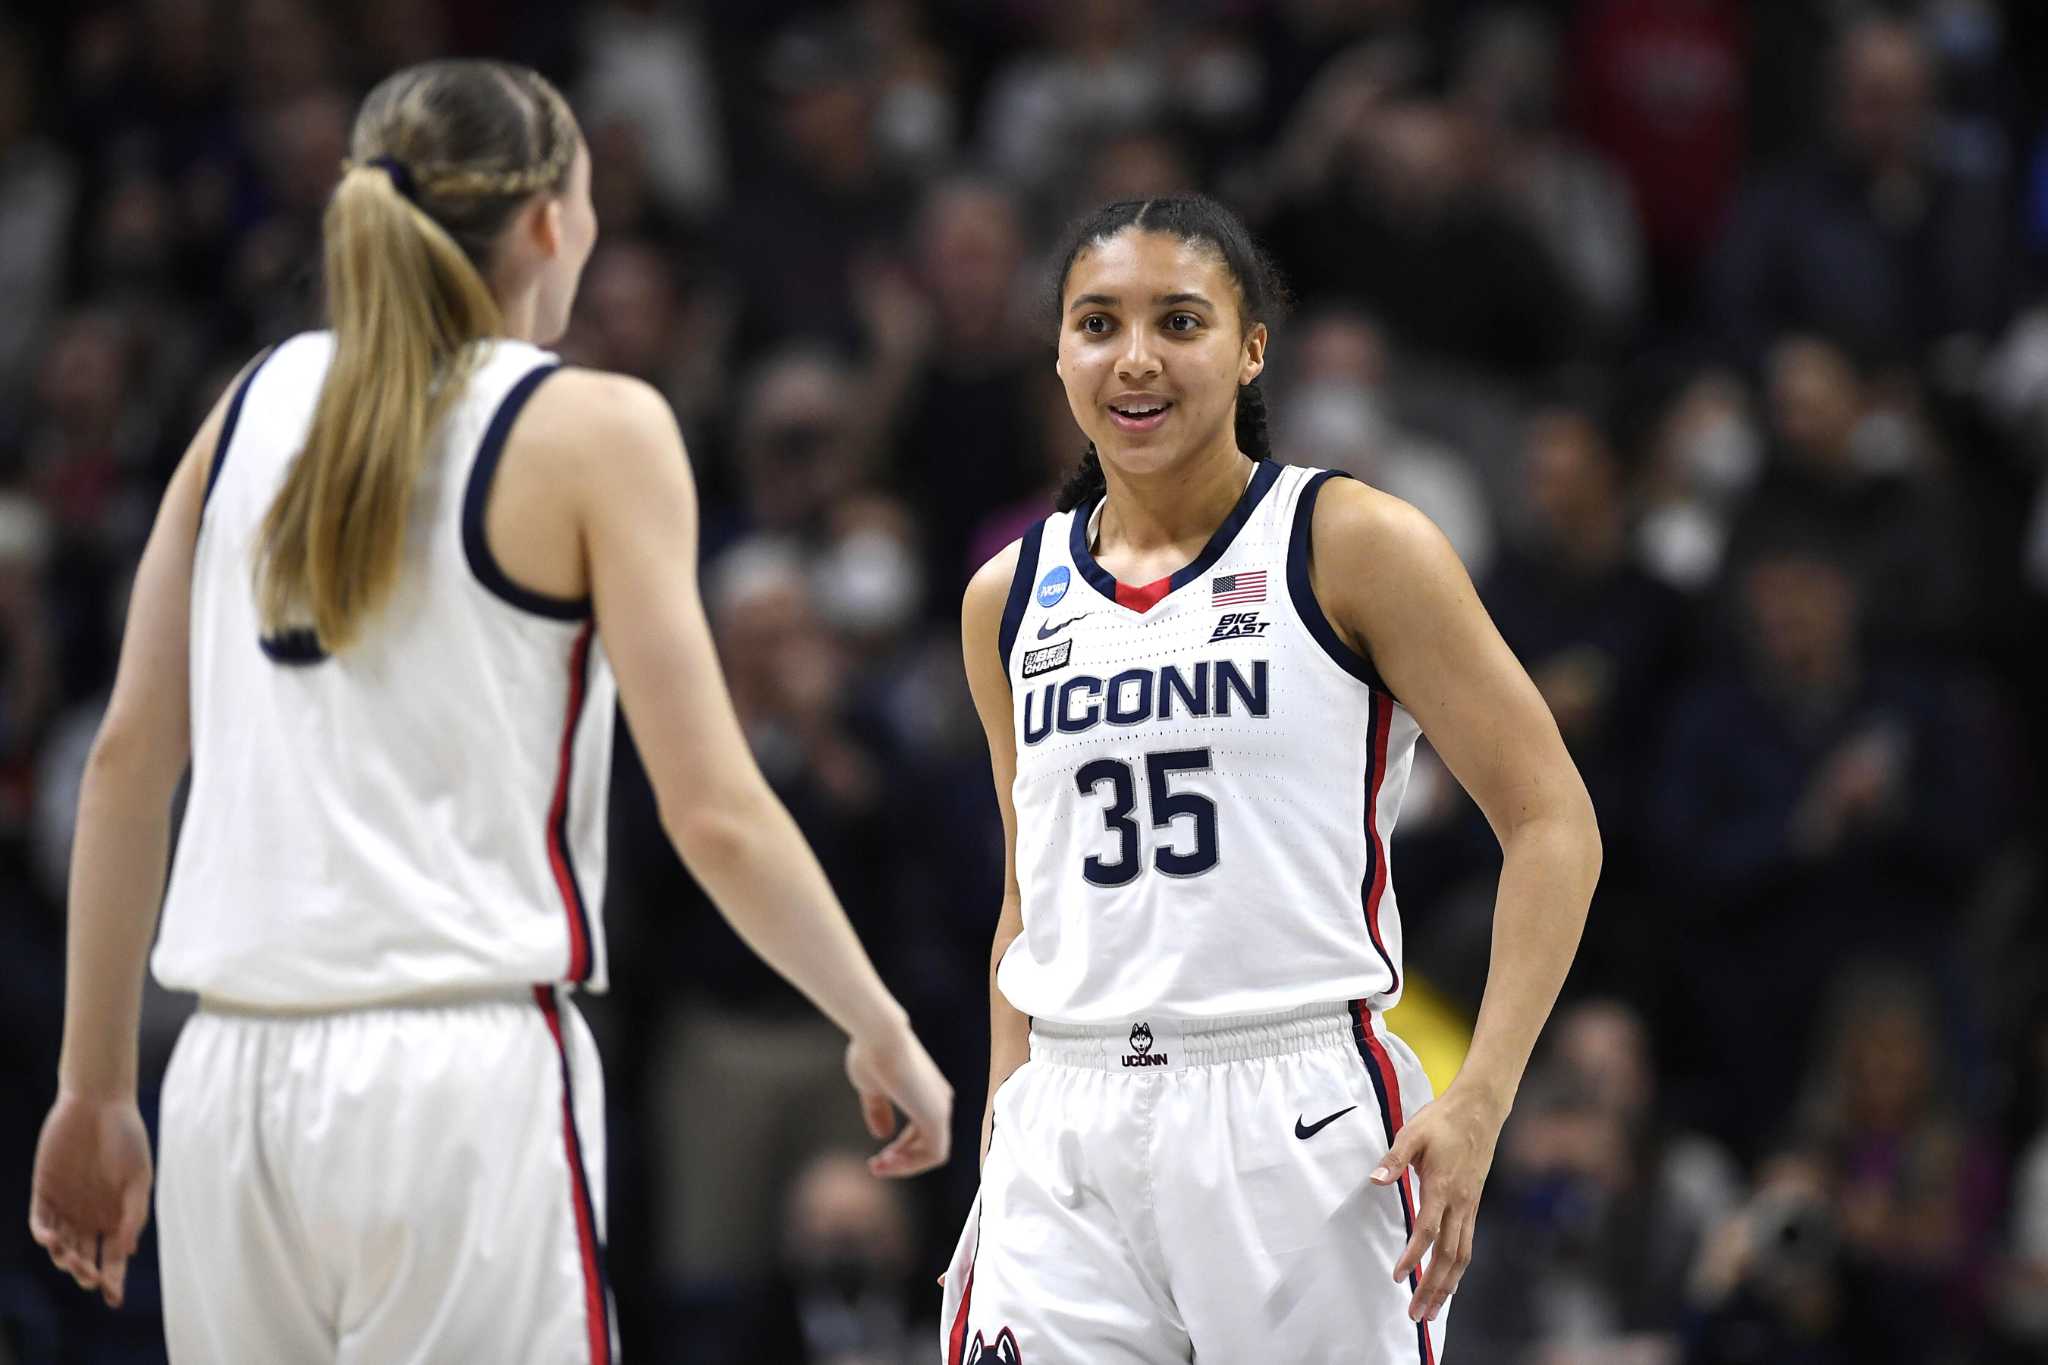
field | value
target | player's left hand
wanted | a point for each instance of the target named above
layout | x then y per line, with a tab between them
1449	1143
90	1196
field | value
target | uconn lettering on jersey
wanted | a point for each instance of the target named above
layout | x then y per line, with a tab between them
1212	687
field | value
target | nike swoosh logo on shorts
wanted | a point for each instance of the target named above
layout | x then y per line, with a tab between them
1309	1130
1047	632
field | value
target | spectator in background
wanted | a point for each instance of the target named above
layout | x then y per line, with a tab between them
1769	1285
1702	452
646	69
1850	469
846	1289
1335	414
733	1033
1602	1212
1875	238
1103	66
962	444
1405	227
818	202
1603	641
1657	87
1507	84
1813	797
1878	1113
640	313
38	195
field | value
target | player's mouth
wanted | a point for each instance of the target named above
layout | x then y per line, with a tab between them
1139	412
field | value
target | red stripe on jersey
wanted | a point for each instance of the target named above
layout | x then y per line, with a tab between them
596	1310
1144	598
558	812
1382	722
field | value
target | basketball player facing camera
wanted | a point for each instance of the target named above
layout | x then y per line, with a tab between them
1202	680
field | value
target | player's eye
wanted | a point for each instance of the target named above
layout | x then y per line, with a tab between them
1182	322
1095	324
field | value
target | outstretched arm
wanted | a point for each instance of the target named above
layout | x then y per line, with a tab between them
91	1193
638	516
1394	589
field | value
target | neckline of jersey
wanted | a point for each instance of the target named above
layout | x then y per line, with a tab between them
1141	598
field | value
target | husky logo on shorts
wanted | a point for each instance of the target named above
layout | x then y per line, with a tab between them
1141	1048
1003	1352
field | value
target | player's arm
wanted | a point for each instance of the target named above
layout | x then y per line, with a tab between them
1395	591
981	618
629	480
91	1192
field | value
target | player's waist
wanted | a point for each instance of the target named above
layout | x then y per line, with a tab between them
1144	1044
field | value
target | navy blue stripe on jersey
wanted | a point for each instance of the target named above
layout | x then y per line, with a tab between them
1265	473
1020	590
1299	546
475	546
597	1289
227	423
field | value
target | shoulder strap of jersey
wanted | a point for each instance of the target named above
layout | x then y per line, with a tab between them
1020	589
232	418
1301	592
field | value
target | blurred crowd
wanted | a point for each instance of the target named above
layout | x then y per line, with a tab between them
1714	334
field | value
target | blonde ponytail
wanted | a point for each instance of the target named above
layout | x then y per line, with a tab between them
407	304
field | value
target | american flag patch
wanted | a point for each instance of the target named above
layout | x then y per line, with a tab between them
1230	589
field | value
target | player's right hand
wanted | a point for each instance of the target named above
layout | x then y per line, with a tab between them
895	1072
90	1198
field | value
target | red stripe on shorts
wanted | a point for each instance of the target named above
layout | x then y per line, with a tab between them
597	1310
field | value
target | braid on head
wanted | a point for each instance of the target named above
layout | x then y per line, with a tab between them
1251	422
1085	484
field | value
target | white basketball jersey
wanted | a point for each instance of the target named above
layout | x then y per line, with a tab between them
1207	778
423	812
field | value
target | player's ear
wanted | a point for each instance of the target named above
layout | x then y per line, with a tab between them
1253	362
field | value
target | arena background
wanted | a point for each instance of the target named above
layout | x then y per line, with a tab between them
1711	332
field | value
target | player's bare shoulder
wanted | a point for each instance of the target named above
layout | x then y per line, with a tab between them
981	621
597	416
989	588
1368	547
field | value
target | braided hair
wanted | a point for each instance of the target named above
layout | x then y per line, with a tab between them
1190	218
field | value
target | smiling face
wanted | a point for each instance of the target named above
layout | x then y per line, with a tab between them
1153	348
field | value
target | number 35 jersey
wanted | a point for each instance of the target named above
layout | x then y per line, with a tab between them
1207	778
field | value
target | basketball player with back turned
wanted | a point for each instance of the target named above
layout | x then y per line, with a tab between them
1202	681
381	613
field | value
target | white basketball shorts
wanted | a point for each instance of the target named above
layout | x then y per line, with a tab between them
386	1185
1162	1193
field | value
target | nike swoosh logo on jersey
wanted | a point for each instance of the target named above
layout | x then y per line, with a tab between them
1047	632
1302	1130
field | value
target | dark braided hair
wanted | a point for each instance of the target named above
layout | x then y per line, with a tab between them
1190	218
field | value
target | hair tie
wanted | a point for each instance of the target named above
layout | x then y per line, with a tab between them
401	176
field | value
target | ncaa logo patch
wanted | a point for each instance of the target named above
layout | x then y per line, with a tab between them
1053	586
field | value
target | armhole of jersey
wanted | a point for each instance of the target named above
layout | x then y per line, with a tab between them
476	547
1302	592
1020	591
228	422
